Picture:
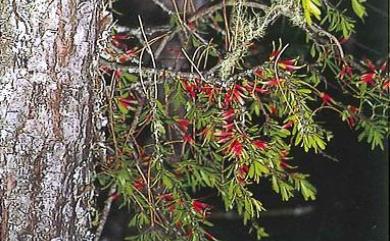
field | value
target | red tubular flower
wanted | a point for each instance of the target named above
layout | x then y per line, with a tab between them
274	54
289	65
283	158
383	66
370	65
131	53
346	70
237	94
351	119
123	58
251	88
191	88
368	78
242	173
261	145
200	207
167	197
120	36
236	148
187	138
243	170
119	44
228	115
183	124
283	165
234	95
273	110
227	99
273	82
191	25
224	136
115	196
228	126
288	125
189	233
386	85
104	69
117	73
209	91
127	103
258	72
326	99
209	236
139	184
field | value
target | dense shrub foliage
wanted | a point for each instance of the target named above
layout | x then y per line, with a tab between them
232	119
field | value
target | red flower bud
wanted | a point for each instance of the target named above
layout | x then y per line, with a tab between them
283	165
368	78
200	207
326	99
261	145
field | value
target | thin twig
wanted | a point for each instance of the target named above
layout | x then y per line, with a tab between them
163	7
105	213
211	9
193	64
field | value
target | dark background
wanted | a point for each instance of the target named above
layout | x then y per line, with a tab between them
353	198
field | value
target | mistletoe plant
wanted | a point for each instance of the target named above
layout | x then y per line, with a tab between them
232	119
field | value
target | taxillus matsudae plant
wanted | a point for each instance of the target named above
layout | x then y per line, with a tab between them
232	119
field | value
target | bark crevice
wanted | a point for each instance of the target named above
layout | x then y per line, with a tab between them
47	111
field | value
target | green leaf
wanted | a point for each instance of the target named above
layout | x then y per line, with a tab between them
167	181
251	172
308	190
358	8
311	8
260	169
129	77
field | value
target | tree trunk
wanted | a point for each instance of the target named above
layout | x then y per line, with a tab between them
47	64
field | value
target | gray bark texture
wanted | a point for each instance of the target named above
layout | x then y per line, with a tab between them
48	55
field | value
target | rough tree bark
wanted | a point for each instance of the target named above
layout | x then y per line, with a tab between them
47	63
